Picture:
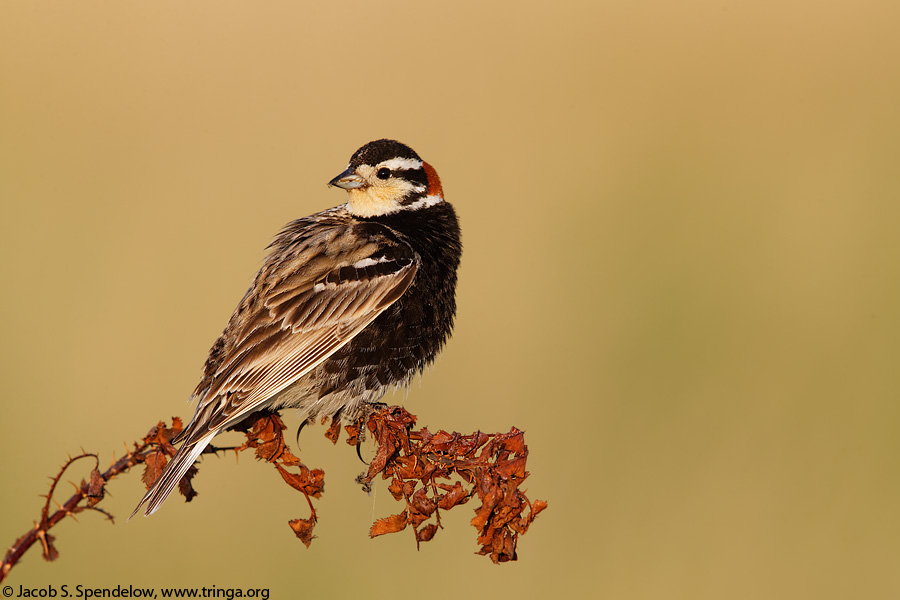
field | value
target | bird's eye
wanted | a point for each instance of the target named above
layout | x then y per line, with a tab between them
383	173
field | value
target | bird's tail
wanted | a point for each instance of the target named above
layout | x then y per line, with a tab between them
172	473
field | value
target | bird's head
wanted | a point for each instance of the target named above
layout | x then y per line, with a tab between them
385	177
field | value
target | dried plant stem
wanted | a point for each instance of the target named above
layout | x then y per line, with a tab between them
87	490
428	473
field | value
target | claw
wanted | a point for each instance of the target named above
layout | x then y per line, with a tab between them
303	424
359	451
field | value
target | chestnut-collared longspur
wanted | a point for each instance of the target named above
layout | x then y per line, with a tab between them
349	302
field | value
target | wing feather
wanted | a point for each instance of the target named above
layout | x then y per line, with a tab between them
310	298
272	357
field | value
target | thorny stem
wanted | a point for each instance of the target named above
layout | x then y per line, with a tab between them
72	506
69	508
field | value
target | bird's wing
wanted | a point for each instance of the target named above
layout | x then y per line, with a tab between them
309	308
320	286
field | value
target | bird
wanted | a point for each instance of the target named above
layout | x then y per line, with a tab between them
349	303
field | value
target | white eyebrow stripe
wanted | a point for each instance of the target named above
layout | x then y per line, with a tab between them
401	164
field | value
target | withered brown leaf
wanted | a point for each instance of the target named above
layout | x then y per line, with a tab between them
185	486
456	494
422	503
303	530
95	485
334	430
391	524
352	430
310	482
426	533
513	468
153	465
161	436
396	488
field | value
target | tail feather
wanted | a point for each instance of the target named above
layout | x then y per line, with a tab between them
172	474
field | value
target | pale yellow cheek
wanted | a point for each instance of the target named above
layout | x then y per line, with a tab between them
376	200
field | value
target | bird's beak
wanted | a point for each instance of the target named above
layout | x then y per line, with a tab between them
347	180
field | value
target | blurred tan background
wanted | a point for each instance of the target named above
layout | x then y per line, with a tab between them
681	277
